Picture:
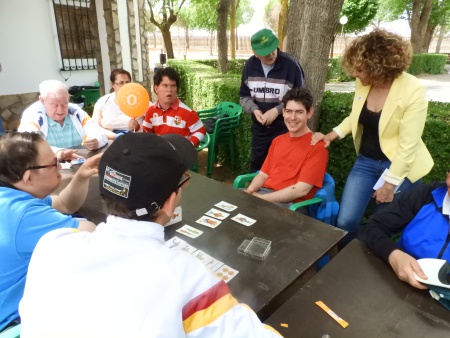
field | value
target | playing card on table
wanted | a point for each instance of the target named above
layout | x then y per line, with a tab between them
226	273
179	244
176	217
189	231
225	206
217	214
247	221
208	221
210	262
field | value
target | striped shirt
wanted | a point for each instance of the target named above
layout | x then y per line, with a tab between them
178	119
64	136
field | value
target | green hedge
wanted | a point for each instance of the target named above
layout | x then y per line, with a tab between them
203	87
335	72
427	63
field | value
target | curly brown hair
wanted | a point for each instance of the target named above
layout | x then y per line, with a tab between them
381	54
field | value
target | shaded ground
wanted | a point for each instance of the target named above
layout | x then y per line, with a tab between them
220	173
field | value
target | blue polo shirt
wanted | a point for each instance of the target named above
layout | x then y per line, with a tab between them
25	219
64	136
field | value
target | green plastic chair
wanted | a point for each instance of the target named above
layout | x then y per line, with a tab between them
12	332
89	96
203	144
241	182
223	130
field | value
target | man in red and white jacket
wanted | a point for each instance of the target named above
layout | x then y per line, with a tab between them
168	115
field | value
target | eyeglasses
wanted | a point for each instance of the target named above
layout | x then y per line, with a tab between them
121	83
35	167
184	181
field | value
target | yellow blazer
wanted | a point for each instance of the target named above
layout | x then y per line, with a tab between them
400	130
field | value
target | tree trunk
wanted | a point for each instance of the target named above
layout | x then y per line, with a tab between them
311	27
233	9
282	20
428	37
211	43
167	38
237	41
223	8
440	38
186	37
332	46
419	21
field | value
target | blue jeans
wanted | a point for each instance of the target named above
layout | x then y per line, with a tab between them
358	192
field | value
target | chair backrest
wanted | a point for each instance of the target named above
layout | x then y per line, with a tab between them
225	126
327	210
203	143
207	113
228	108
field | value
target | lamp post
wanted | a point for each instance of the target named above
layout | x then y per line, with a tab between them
343	20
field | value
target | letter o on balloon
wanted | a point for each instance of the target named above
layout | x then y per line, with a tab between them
133	100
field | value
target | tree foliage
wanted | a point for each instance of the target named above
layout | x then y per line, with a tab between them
360	14
165	19
423	17
271	14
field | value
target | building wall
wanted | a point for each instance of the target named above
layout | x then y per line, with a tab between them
29	54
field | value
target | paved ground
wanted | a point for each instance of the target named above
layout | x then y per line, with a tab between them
438	86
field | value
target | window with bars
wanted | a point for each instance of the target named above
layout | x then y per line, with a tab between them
76	42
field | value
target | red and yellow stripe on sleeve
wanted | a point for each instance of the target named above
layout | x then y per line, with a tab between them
86	118
207	307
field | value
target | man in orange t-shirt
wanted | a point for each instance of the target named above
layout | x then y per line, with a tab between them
294	169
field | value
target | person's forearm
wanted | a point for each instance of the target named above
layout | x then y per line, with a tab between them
257	182
74	195
248	105
331	136
288	194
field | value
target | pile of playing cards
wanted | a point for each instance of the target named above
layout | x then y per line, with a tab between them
217	267
258	248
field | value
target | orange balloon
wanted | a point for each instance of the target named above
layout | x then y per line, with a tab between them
133	100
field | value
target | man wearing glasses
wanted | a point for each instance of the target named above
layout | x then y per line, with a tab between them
28	175
63	124
122	280
169	115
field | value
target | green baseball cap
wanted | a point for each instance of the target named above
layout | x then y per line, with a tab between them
264	42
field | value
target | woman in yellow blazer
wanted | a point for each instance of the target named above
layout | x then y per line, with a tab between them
387	120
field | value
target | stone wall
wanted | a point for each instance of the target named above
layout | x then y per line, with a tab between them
12	106
115	48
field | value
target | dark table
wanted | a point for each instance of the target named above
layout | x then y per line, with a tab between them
298	241
364	291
